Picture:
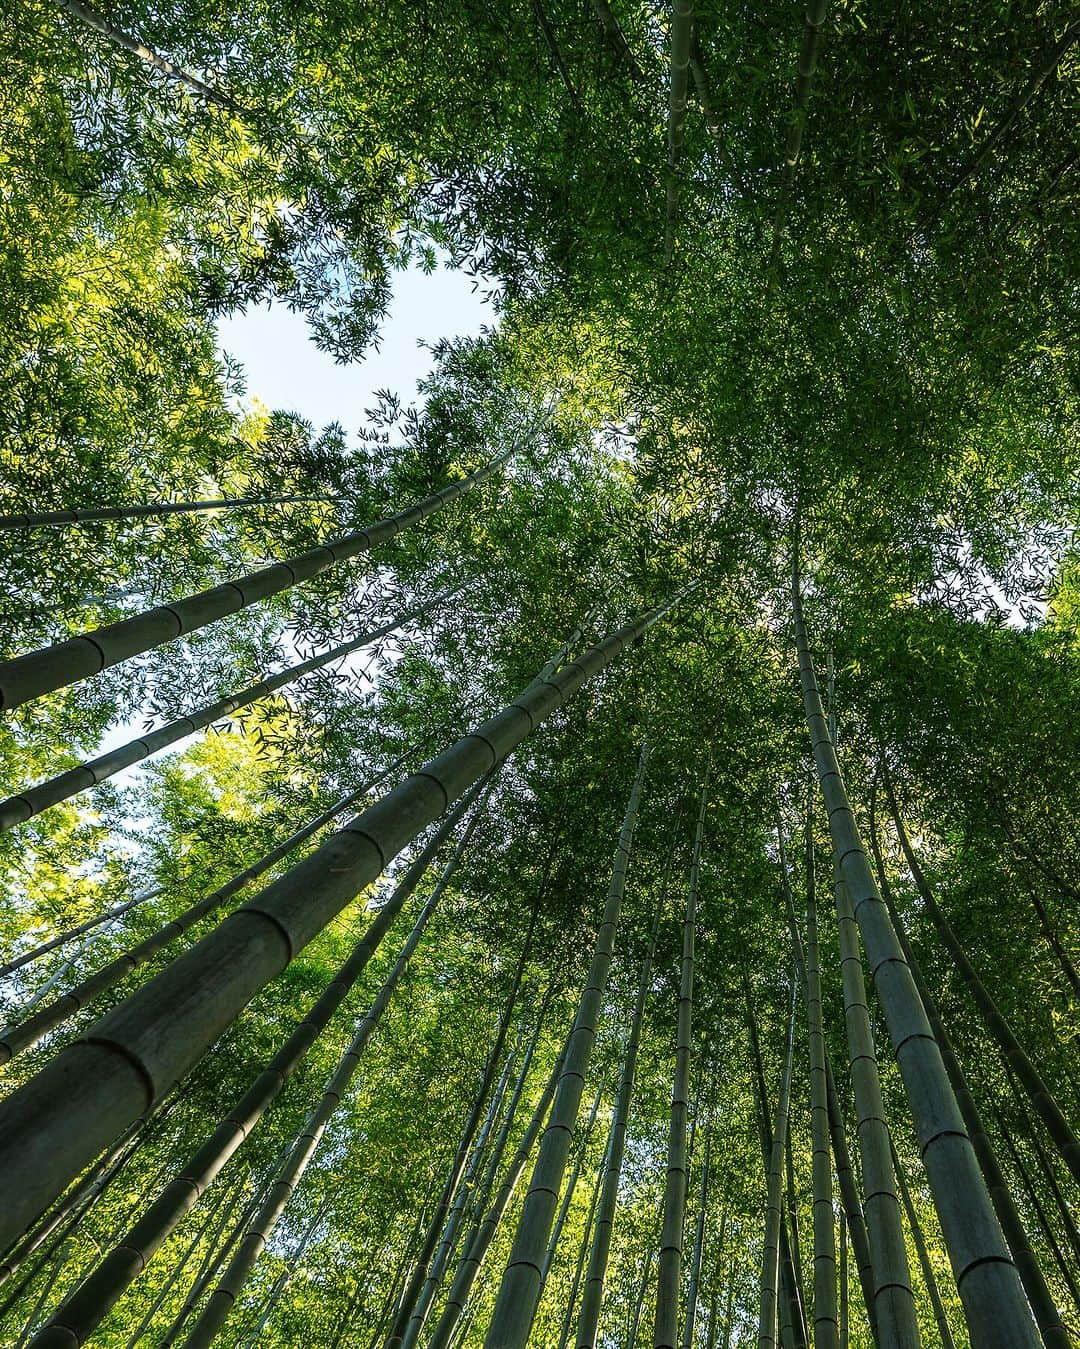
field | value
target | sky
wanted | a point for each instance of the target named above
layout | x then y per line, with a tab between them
287	372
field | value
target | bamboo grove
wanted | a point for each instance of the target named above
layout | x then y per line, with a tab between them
590	856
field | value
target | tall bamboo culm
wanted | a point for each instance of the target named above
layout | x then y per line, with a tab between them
826	1318
84	1310
54	1125
993	1299
515	1306
152	511
669	1265
20	1036
1043	1304
1040	1095
23	806
55	667
770	1261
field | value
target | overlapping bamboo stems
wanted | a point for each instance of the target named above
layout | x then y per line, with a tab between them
481	1237
639	1301
461	1157
592	1297
987	1280
55	667
945	1339
15	1038
1043	1304
71	933
570	1189
826	1319
583	1248
1064	1265
792	1212
792	1322
462	1196
682	24
217	1216
895	1314
851	1205
1046	1169
23	806
770	1261
519	1291
694	1285
153	510
669	1264
284	1278
1039	1094
807	64
78	1316
303	1147
57	1122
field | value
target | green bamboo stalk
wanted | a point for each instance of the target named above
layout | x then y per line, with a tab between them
987	1280
515	1305
843	1325
682	25
304	1145
770	1264
90	18
687	1341
569	1190
283	1279
616	38
639	1302
945	1338
21	1035
469	1267
1047	1315
669	1265
57	1122
593	1296
826	1321
158	508
851	1205
23	806
84	1310
583	1248
62	938
25	678
894	1298
1040	1095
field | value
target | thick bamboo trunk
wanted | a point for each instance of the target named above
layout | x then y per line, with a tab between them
770	1262
305	1145
987	1280
75	1320
515	1306
945	1339
1042	1099
56	1123
153	510
1047	1315
682	26
23	806
593	1297
826	1319
669	1264
55	667
15	1038
480	1239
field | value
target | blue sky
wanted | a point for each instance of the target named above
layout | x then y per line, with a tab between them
286	371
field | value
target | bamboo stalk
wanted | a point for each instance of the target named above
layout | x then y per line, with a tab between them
158	508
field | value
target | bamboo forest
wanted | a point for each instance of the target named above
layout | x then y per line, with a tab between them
581	848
